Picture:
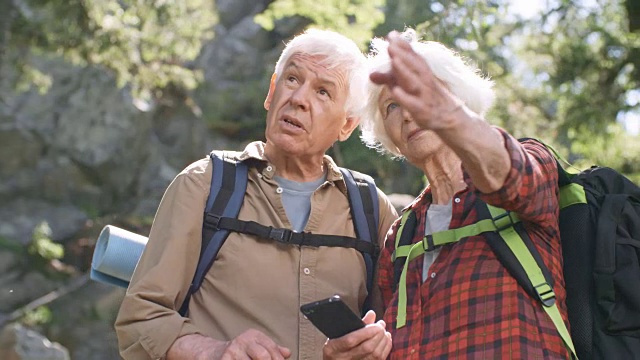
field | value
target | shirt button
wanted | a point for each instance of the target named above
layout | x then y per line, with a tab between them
457	200
269	168
413	351
307	271
279	190
433	275
260	175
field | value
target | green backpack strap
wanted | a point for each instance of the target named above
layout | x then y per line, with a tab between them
536	277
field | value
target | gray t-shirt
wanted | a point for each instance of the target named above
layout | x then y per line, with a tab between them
296	199
438	219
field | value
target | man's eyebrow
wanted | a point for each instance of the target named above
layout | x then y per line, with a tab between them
328	83
323	80
292	64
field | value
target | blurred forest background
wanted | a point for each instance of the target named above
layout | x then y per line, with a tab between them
103	102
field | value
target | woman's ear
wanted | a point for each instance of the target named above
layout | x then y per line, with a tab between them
272	88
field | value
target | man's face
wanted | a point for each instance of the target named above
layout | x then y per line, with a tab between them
306	108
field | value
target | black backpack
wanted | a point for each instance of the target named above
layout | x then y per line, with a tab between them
601	251
600	232
228	187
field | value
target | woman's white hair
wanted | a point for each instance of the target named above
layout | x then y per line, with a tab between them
335	51
461	78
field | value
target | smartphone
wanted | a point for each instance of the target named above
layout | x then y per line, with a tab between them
332	316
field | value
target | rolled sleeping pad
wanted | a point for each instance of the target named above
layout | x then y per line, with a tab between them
116	255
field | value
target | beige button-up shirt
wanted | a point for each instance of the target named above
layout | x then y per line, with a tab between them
253	283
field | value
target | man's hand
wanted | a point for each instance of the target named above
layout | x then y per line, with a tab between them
251	344
371	342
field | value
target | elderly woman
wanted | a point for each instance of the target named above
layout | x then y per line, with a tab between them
458	301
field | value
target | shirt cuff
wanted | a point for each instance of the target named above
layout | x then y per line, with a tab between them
514	178
160	339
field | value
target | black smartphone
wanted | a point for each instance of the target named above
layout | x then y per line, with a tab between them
332	316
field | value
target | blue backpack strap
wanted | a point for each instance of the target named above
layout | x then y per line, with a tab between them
228	187
363	200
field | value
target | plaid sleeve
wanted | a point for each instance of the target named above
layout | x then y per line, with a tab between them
531	187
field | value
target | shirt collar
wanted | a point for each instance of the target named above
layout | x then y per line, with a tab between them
255	150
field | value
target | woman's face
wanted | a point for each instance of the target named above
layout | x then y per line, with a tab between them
413	142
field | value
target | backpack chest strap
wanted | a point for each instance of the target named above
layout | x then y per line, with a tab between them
287	236
500	221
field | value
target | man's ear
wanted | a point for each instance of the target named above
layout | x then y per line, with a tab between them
272	88
350	124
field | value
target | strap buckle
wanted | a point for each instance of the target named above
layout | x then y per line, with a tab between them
427	243
376	250
279	234
212	221
546	295
501	223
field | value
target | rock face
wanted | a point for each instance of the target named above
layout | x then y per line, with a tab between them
84	149
20	343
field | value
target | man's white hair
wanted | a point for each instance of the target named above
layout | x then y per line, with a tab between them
461	78
335	52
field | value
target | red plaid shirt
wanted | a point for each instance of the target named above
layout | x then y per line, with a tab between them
469	307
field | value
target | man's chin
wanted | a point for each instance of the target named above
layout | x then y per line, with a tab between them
285	144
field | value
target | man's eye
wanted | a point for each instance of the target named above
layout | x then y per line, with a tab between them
324	92
292	78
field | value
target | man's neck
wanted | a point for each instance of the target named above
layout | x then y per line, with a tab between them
296	168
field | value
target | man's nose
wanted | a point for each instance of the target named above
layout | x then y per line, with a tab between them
300	97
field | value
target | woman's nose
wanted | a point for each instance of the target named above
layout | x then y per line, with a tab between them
406	115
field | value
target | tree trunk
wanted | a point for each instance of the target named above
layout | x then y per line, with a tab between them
633	11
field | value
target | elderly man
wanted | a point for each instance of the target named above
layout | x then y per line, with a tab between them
247	306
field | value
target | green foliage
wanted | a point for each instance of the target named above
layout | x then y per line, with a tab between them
622	154
41	315
32	77
146	43
587	53
584	63
355	19
41	244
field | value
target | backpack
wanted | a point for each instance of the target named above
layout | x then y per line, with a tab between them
228	187
600	235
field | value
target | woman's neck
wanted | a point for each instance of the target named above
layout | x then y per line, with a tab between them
444	173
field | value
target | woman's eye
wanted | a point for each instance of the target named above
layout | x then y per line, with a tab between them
392	106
